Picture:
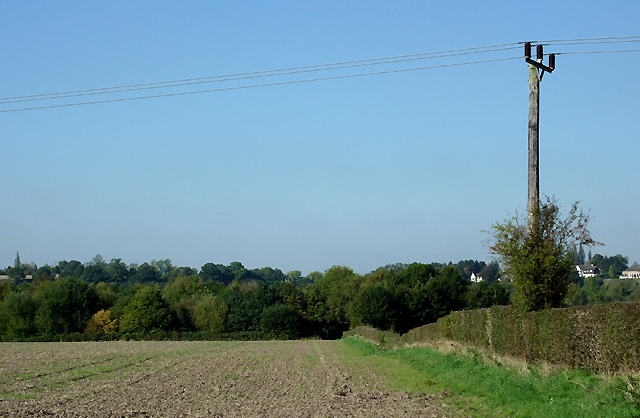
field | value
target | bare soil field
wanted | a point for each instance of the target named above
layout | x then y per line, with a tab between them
200	379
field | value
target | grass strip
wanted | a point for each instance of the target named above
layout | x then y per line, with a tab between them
483	387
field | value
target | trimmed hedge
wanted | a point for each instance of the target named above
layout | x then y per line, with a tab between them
600	338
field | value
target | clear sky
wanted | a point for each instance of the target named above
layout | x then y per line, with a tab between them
364	171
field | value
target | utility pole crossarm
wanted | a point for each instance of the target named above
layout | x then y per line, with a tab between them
539	55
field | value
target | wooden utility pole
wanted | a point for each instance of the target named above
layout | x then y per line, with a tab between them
536	71
533	199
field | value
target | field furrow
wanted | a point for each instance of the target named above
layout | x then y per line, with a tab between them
201	379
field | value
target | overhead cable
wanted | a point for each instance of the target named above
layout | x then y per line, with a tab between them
262	74
390	59
259	85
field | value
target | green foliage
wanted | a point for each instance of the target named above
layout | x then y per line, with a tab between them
17	316
94	273
281	321
64	305
44	273
485	295
600	338
339	286
6	287
217	272
246	302
538	256
147	274
117	271
17	273
398	299
445	293
183	287
72	268
146	312
210	314
376	306
611	266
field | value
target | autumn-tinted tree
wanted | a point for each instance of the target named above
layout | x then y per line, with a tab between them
103	321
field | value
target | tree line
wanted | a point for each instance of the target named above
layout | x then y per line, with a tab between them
102	299
115	300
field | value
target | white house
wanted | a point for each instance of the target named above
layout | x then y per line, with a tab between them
587	270
475	278
631	273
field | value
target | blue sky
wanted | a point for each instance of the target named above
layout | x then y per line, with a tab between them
366	171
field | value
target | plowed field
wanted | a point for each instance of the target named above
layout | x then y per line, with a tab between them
200	379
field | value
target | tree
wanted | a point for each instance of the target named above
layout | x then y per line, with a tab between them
340	286
183	287
490	272
210	314
145	312
94	273
17	273
117	271
103	321
164	266
64	305
43	273
581	256
17	263
216	272
538	258
376	306
98	260
485	295
314	276
294	276
72	268
446	293
17	312
147	274
281	321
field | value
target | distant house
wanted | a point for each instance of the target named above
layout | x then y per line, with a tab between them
587	270
475	278
631	273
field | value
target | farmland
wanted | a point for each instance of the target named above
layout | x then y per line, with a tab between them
232	379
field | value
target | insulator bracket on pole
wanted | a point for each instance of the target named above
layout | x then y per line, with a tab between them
539	58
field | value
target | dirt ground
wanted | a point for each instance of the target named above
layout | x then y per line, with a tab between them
199	379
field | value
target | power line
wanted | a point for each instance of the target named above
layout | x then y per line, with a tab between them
397	58
262	74
259	85
592	40
308	69
597	52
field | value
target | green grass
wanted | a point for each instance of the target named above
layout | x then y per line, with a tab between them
484	387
